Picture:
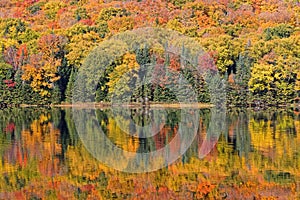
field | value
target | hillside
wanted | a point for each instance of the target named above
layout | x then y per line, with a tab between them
255	46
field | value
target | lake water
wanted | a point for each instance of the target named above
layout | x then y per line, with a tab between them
156	153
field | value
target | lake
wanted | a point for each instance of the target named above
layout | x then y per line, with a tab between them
156	153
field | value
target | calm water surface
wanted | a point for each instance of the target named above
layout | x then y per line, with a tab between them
252	155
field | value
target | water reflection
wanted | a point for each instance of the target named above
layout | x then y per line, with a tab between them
130	147
256	155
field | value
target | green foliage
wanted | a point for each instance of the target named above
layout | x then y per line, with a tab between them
55	97
6	71
280	31
28	35
81	13
52	7
232	30
35	7
180	3
101	28
70	86
102	87
243	70
198	83
12	28
238	91
107	14
143	58
162	94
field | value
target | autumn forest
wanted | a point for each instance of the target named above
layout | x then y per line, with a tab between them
233	66
253	44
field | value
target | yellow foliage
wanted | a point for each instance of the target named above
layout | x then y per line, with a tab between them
51	8
7	42
271	140
121	24
80	46
261	77
297	84
120	136
41	78
129	64
174	24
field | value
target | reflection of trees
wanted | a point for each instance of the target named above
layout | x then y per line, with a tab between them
241	133
140	124
155	129
275	138
33	147
216	127
260	156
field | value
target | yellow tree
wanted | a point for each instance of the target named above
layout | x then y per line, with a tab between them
41	71
122	75
261	78
80	45
121	24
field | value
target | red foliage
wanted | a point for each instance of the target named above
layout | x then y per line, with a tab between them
88	22
206	63
165	193
21	55
174	62
21	156
160	76
204	189
25	3
10	127
17	154
159	72
19	195
87	188
61	11
18	13
53	25
10	83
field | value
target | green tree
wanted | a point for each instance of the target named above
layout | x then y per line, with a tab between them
239	91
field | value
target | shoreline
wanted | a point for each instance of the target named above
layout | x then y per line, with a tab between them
153	105
130	105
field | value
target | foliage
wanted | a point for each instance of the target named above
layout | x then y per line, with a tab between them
79	47
107	14
41	71
81	13
280	31
239	36
51	8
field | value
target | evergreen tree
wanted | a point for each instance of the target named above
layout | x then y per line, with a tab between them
143	58
70	86
241	79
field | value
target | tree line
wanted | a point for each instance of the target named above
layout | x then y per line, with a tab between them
253	44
